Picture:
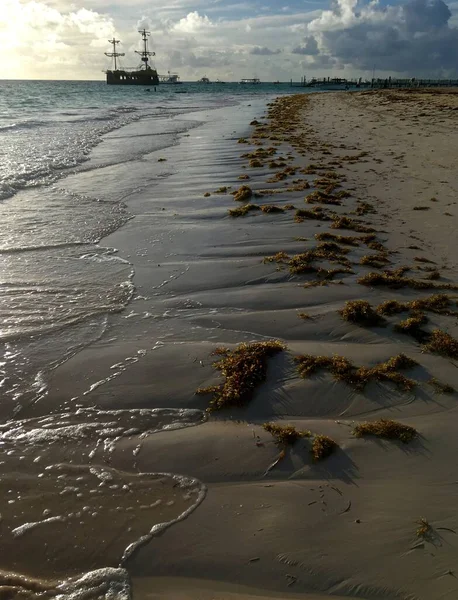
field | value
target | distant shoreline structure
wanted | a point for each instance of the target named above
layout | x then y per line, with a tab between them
337	83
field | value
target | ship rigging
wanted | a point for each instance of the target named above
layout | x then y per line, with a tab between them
143	75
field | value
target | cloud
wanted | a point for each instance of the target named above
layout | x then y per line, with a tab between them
193	22
309	47
231	39
263	51
41	41
414	38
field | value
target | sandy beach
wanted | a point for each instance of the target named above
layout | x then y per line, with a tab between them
374	519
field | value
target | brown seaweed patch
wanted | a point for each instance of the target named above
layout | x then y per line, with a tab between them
412	326
322	447
424	529
361	313
340	239
374	260
280	257
364	208
285	435
304	316
386	429
344	222
243	369
243	193
439	303
272	208
439	387
344	370
322	198
316	213
396	281
243	210
442	343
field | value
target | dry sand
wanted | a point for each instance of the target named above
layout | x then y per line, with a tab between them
346	526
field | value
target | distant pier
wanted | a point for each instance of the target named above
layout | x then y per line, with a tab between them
335	83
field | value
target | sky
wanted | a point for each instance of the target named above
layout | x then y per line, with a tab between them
232	39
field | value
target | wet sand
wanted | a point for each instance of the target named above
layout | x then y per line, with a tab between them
344	526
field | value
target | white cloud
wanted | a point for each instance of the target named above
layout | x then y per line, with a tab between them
36	38
415	38
63	39
193	22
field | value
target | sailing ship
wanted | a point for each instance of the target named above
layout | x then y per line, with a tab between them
142	75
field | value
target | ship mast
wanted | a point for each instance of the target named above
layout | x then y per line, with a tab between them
114	54
145	54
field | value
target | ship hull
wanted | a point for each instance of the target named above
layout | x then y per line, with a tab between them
148	77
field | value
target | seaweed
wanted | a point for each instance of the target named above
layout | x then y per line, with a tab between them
395	281
374	260
424	528
364	208
439	387
391	307
322	447
340	239
285	435
442	343
278	258
315	213
412	326
387	429
304	316
271	208
344	222
322	198
344	370
243	369
361	313
243	193
243	210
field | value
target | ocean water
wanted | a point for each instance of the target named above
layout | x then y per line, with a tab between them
58	282
72	155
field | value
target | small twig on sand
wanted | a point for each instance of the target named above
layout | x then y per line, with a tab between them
445	529
347	509
275	463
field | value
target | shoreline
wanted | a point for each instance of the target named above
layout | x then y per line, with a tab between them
345	526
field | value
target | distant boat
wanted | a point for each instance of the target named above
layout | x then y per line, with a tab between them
142	75
219	81
171	78
254	80
204	79
276	82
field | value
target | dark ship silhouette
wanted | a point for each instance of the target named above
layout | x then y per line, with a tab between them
143	75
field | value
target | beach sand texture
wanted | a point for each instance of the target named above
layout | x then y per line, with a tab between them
351	197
